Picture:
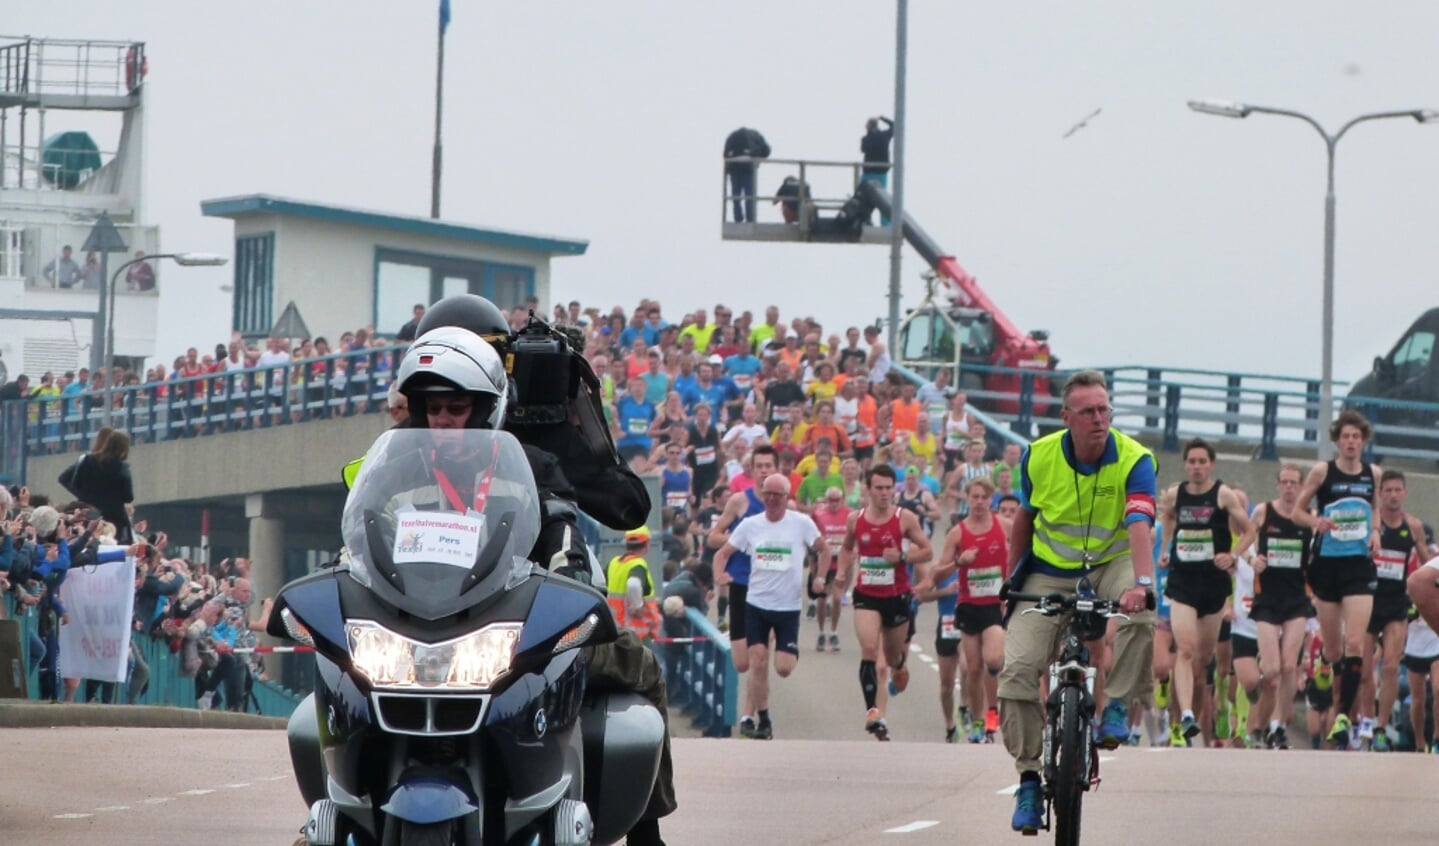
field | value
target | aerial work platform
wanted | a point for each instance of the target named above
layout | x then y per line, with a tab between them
57	73
822	205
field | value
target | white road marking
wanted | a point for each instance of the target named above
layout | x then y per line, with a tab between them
1159	748
196	792
917	825
1008	791
159	800
925	658
271	778
72	816
1104	758
935	667
113	808
238	785
914	647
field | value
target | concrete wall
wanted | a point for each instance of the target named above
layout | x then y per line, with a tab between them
328	268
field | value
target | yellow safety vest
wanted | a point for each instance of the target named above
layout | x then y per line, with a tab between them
1070	505
618	575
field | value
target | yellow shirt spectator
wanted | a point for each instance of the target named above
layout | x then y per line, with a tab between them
923	449
701	334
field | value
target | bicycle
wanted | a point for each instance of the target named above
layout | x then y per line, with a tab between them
1070	756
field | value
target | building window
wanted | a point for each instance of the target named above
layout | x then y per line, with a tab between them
254	283
404	279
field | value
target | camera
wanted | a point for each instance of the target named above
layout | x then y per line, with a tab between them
539	368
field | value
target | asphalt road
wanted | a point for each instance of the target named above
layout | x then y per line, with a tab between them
823	781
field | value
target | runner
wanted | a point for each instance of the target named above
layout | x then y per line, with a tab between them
1199	516
1346	491
915	497
1400	542
978	550
1421	659
1281	605
740	507
1253	701
776	544
872	545
946	646
832	518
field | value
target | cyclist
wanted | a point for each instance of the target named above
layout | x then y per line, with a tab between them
1088	496
1346	491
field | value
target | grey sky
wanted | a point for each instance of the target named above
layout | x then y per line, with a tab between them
1152	236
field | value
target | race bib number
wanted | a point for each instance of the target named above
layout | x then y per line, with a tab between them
451	539
947	631
1285	553
677	499
1350	524
743	381
875	571
772	558
637	426
954	440
835	545
984	582
1389	564
1194	545
704	455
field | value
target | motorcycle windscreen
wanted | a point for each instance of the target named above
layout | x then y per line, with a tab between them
438	518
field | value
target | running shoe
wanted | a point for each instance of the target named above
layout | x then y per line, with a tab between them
1324	675
1339	734
1028	808
812	610
875	725
834	641
899	680
722	625
764	732
991	720
951	734
963	715
746	727
1434	747
1366	728
819	645
1136	737
1277	739
976	731
1176	735
1381	741
1258	739
1113	725
1161	695
1189	727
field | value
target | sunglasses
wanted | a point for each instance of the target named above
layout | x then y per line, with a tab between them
454	407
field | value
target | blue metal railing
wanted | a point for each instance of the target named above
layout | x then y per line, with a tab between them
336	385
701	678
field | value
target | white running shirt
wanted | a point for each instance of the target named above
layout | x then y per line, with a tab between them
777	552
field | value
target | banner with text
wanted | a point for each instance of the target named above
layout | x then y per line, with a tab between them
100	600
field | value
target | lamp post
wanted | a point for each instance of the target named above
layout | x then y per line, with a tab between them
182	259
1331	141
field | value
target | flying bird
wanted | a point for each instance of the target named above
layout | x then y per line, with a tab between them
1082	124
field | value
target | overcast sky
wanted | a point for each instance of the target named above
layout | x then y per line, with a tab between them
1153	236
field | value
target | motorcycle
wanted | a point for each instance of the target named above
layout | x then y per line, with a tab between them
450	702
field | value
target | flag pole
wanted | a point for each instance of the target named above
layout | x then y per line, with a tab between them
439	107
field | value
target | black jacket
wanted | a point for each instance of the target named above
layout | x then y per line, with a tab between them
875	146
107	486
744	142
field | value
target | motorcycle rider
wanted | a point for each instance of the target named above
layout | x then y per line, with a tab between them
454	379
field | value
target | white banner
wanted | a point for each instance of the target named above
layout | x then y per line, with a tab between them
100	600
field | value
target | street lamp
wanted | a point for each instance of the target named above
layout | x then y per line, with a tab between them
1224	108
182	259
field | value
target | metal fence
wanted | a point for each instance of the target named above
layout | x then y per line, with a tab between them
701	677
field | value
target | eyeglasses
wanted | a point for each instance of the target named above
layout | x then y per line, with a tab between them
456	407
773	493
1093	412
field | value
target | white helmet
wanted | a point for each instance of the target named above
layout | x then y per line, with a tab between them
453	360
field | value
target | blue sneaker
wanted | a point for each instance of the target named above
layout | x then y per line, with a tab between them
1028	808
1113	726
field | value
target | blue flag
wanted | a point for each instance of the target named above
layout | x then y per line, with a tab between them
444	16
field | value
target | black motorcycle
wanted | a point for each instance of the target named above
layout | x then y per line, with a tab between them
450	703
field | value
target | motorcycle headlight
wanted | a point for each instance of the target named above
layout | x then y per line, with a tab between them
476	660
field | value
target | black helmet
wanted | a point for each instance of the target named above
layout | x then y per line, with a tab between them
468	311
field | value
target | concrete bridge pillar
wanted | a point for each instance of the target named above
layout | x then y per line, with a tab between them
267	547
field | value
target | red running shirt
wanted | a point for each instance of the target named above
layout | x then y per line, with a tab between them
877	577
980	579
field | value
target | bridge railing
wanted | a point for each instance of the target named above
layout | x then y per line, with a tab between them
337	385
1259	413
701	677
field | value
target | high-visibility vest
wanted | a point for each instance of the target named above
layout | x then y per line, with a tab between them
646	622
1075	512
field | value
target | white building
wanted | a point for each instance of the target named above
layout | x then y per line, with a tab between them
344	268
55	184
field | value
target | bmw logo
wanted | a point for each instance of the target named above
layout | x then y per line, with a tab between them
541	723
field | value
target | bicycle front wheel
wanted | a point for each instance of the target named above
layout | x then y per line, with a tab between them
1071	766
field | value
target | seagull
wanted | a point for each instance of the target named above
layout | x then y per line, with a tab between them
1082	124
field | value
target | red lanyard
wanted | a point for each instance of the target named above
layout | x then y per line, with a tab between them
482	487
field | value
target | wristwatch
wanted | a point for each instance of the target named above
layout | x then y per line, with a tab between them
1144	582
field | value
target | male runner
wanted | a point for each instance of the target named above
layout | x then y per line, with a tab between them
1346	491
1199	516
832	518
1401	540
741	506
872	544
776	543
1281	604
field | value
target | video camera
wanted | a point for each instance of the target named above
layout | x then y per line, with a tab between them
541	368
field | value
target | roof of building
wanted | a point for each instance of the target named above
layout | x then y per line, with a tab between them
235	207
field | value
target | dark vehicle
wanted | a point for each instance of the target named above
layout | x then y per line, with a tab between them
1408	374
450	703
